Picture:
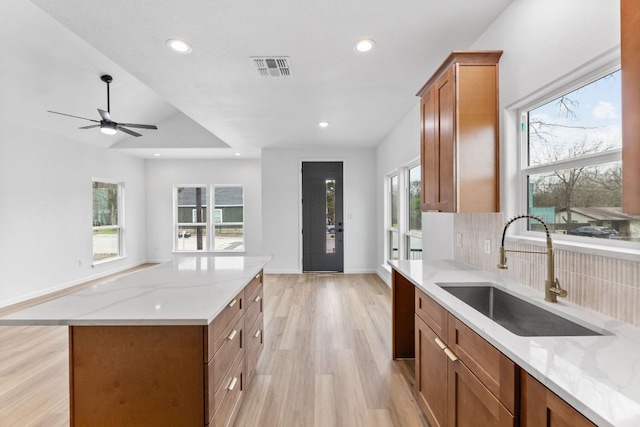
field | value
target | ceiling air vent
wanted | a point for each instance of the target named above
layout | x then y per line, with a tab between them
272	66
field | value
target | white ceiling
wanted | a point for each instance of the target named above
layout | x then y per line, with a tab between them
212	103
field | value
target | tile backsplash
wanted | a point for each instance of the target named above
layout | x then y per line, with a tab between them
607	285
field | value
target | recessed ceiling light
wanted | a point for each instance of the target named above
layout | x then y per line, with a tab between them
323	124
364	45
156	154
179	46
237	154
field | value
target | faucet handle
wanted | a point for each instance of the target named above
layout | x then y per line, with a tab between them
556	289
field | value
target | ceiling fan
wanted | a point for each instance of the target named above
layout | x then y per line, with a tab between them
107	125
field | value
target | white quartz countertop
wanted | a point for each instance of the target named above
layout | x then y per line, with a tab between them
185	291
597	375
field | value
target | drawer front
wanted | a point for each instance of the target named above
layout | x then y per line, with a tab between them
218	329
216	392
254	309
231	399
252	287
496	371
255	344
432	313
232	346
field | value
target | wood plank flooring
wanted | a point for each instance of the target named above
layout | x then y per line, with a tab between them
327	357
326	361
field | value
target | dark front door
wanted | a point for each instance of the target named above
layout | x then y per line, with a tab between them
322	223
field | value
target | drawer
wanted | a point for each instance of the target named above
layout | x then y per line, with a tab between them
231	398
215	393
252	287
432	313
254	309
496	371
218	329
255	344
232	346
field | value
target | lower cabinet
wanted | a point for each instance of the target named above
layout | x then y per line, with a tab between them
541	407
462	380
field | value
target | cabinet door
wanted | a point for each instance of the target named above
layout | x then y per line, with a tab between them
541	407
471	403
438	144
431	375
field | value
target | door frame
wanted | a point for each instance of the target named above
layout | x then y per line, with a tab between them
344	205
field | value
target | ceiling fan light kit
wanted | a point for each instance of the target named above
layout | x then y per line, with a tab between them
106	125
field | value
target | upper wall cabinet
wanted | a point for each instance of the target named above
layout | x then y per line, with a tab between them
630	59
460	134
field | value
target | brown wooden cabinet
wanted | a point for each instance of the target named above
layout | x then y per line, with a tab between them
460	134
460	379
189	375
543	408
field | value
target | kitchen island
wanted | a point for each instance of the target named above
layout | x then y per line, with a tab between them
175	344
596	375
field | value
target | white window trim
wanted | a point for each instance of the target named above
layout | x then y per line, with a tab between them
121	222
515	169
407	214
388	226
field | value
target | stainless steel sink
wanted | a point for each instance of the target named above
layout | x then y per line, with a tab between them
518	316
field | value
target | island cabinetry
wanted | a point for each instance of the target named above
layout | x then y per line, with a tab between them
254	325
541	407
167	375
460	134
461	380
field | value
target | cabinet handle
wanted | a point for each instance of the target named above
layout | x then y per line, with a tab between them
232	303
258	276
232	383
257	298
440	343
450	354
258	332
232	335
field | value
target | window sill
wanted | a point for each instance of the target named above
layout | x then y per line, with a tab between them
107	261
631	253
208	252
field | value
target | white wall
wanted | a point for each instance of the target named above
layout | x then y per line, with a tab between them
400	147
46	210
162	175
281	181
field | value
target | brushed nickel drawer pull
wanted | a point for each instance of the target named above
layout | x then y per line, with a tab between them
232	383
257	298
232	303
232	335
258	332
450	354
440	343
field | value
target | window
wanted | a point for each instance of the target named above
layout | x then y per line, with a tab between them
228	218
195	231
392	229
572	165
404	217
414	201
107	220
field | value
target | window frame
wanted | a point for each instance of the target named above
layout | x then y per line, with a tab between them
213	218
517	188
408	233
390	230
120	226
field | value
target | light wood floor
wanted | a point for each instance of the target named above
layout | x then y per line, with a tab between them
326	361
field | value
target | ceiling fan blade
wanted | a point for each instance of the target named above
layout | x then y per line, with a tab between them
69	115
135	125
105	115
130	132
89	127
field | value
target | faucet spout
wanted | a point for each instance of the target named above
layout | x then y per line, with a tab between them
552	284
